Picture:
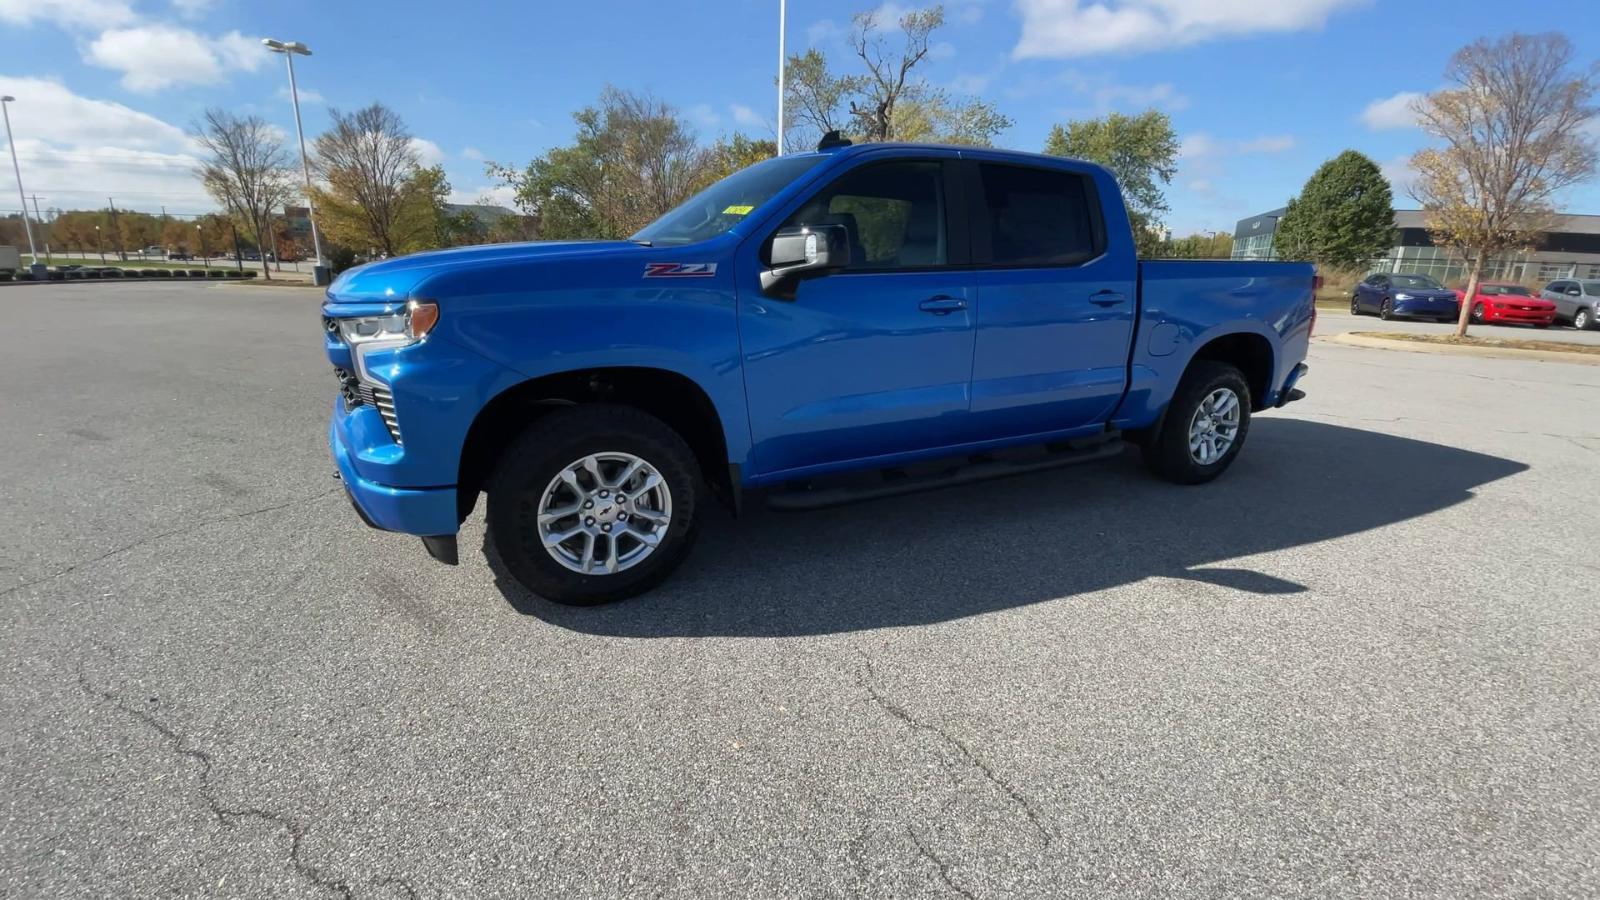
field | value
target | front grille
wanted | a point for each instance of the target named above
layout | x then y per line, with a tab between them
357	393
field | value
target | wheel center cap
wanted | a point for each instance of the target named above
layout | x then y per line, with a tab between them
605	511
1205	424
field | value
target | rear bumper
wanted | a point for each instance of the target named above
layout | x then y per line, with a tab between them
1290	393
419	511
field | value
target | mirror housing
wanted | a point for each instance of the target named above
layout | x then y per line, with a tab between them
805	252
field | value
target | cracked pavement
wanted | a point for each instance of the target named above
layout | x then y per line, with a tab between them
1365	663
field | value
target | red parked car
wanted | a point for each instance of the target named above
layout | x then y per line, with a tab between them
1509	304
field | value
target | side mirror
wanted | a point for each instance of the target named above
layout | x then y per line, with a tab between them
805	252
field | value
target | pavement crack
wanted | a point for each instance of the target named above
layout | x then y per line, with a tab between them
865	680
228	816
187	529
939	865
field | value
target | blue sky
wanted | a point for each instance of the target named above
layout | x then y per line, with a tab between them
1261	91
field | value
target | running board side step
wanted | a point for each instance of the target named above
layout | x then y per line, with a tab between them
980	467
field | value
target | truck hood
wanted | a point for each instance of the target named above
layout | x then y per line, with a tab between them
392	280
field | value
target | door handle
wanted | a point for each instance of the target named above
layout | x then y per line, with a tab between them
1107	298
942	305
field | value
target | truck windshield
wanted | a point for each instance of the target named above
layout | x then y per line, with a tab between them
722	205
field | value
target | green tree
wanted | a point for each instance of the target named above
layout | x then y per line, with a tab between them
1343	216
634	159
378	195
1512	126
730	154
1201	245
888	100
1141	151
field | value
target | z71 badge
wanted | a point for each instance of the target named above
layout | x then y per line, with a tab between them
679	270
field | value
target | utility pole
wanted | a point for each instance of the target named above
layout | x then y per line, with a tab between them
783	16
122	252
40	219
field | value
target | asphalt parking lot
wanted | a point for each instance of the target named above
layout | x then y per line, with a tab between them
1364	663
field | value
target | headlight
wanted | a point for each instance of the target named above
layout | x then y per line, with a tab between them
1402	296
401	328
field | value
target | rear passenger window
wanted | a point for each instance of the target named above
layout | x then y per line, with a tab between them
1037	217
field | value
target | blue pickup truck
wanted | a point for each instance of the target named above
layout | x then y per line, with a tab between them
826	326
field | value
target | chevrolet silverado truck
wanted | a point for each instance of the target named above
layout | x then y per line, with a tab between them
824	326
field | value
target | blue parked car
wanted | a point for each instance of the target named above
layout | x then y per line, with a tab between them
853	310
1405	296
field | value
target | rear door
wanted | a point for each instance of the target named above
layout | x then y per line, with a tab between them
875	360
1055	309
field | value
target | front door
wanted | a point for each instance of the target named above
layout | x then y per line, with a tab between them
874	360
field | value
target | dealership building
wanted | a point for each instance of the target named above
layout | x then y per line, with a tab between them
1570	250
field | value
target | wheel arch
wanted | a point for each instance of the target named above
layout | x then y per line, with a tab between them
679	401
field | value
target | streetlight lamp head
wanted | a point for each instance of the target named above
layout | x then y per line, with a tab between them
8	99
271	44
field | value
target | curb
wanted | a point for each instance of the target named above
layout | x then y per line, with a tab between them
1405	346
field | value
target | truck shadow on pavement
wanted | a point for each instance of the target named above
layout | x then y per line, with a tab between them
997	545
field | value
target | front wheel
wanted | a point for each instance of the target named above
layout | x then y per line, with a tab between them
1355	305
1385	311
1478	313
1582	319
594	504
1204	427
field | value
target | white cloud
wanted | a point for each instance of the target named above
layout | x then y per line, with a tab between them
428	153
307	95
472	153
1400	175
75	151
966	83
1059	29
747	117
153	57
1273	143
1161	96
825	31
1202	186
969	13
1200	145
490	194
1098	92
192	9
72	14
705	115
1391	112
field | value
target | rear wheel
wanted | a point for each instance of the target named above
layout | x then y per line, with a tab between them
594	504
1205	425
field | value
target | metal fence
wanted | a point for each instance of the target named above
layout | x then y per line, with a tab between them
1446	269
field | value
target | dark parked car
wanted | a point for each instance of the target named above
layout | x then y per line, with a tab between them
1408	296
1577	302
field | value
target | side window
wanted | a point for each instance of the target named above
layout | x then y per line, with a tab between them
894	213
1037	217
1380	281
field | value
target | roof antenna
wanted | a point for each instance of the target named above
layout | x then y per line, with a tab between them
831	140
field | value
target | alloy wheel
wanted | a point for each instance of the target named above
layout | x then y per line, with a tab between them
604	513
1214	427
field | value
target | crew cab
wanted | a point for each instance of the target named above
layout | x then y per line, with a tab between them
817	328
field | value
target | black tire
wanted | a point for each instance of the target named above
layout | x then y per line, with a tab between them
1355	305
1167	455
1583	320
541	452
1385	311
1478	313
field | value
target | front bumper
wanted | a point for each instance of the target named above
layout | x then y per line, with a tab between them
1432	309
1494	313
419	511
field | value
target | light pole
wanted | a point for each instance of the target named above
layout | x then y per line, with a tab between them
99	246
319	275
5	110
200	238
783	15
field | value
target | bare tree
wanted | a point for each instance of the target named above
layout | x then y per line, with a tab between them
246	169
369	164
887	71
1511	123
814	97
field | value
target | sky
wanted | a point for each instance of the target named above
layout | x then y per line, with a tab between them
1260	91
